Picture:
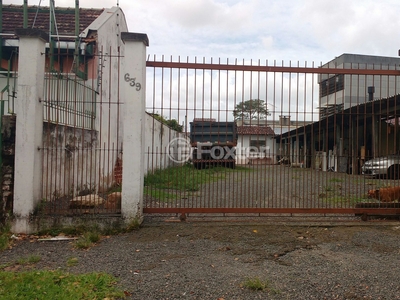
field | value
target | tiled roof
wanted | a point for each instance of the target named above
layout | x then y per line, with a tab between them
255	130
65	18
204	120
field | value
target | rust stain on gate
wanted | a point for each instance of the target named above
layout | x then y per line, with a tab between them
309	139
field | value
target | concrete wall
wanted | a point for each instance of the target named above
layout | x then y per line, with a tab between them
157	139
109	105
70	161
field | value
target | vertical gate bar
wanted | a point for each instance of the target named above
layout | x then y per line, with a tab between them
117	150
213	198
235	191
218	116
296	189
276	182
92	126
162	147
248	179
75	168
312	136
150	149
99	152
293	154
204	200
46	149
197	200
228	189
60	99
110	106
158	149
305	202
285	172
185	129
181	193
267	169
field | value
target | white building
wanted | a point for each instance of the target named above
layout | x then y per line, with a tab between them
338	92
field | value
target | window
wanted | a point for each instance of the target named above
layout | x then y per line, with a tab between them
331	85
256	144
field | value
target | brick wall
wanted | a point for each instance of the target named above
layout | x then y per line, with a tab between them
118	170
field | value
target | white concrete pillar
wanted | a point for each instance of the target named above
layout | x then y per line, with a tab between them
133	88
29	126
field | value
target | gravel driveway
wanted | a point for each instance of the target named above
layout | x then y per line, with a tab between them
166	259
275	186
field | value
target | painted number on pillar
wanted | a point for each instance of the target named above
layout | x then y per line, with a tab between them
132	82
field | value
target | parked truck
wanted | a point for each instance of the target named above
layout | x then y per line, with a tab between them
214	143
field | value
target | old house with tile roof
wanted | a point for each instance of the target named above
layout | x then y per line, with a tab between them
256	145
81	100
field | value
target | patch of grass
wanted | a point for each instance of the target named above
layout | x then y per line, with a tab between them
349	200
39	208
72	261
256	284
87	240
328	188
160	195
33	259
184	178
55	231
134	224
336	180
57	285
5	234
4	241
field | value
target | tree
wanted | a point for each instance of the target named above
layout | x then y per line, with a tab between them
172	123
251	109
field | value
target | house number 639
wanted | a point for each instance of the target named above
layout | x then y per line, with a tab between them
132	82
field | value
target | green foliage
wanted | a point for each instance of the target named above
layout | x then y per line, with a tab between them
256	284
253	109
336	180
72	261
87	240
134	224
39	208
55	231
171	183
33	259
172	123
185	178
4	237
57	285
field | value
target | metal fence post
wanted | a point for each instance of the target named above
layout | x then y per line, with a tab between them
133	94
29	127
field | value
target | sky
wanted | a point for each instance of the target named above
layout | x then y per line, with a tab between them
291	30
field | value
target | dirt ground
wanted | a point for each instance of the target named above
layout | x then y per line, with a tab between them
168	259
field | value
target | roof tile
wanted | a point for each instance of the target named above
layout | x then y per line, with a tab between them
65	18
255	130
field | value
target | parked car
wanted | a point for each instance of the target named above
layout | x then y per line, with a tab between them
388	166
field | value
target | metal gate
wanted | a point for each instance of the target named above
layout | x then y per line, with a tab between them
82	135
304	139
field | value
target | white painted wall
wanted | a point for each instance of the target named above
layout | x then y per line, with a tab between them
243	148
157	139
69	161
109	106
